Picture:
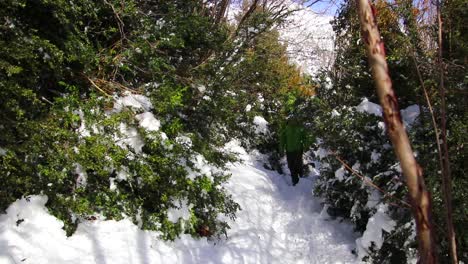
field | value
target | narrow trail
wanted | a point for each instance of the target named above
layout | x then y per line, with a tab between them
281	223
278	223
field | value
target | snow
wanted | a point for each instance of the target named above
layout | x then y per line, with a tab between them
356	166
328	83
148	121
112	185
368	107
378	223
83	131
201	88
184	140
375	156
373	199
81	180
182	211
201	167
261	125
321	152
130	137
123	174
133	100
340	173
410	114
382	127
279	223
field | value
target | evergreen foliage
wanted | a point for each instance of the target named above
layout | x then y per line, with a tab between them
356	137
63	68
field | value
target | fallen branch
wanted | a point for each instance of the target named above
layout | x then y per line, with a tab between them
97	87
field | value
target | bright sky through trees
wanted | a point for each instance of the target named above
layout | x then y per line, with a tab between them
328	7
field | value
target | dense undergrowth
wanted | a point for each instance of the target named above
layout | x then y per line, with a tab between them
121	109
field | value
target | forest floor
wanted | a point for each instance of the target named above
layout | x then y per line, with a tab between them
278	223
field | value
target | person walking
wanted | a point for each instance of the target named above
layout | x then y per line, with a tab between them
292	140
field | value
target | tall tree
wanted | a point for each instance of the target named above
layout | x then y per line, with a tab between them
419	196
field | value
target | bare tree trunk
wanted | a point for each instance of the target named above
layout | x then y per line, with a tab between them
419	196
221	11
446	173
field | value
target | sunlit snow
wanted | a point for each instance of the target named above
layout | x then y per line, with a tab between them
278	223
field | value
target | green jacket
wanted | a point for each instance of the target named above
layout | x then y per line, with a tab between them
292	137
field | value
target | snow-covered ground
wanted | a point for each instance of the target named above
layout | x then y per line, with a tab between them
278	223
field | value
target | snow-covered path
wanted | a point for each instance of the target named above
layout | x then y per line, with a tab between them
278	224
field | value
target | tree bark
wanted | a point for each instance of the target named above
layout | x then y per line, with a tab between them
419	196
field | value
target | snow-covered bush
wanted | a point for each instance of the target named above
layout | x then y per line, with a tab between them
118	109
361	180
70	132
349	82
118	163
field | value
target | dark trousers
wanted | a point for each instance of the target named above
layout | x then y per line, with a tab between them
295	165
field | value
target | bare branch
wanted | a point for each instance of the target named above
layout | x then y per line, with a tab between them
370	183
97	87
247	15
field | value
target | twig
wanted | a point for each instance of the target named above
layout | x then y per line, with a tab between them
97	87
431	110
369	182
46	100
120	23
118	86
